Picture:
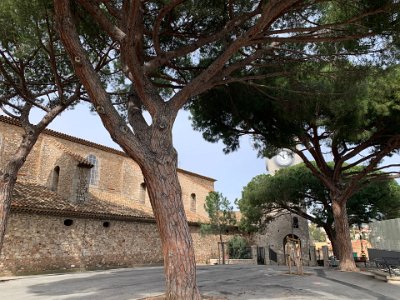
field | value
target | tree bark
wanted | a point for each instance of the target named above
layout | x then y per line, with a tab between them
330	232
343	240
152	148
8	178
222	248
6	187
166	199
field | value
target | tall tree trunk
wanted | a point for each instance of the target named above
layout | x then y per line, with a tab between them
330	232
166	199
222	247
343	240
149	145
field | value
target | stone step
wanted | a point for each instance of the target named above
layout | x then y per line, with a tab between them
381	275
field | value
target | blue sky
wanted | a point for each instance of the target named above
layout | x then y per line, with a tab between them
232	171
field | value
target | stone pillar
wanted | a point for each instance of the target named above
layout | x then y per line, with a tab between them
326	256
313	256
254	254
266	249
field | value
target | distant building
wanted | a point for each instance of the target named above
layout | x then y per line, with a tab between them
285	225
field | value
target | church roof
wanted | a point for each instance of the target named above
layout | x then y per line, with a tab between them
34	198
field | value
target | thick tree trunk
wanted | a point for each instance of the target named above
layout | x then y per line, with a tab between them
343	240
149	145
330	232
6	187
8	178
166	199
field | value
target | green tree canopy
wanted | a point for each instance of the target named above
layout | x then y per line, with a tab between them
296	190
37	82
327	112
186	48
316	233
221	215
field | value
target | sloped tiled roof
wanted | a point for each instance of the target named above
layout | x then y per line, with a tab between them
34	198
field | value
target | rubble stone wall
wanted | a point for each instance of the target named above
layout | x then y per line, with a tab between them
42	243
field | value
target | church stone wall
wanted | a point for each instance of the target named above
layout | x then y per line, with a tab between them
119	177
275	233
41	243
197	186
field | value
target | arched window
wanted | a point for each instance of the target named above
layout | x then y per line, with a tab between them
295	222
94	172
143	191
193	202
55	179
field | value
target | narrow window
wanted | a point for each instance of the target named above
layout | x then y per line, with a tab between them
193	202
94	172
143	190
295	222
56	177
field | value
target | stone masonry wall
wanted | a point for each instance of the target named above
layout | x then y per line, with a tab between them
120	178
40	243
276	230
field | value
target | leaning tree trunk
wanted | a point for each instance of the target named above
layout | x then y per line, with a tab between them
343	240
7	182
166	199
8	178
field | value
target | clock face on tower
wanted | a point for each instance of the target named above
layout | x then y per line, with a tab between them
284	158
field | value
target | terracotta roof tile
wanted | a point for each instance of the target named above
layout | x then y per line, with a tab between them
37	198
34	198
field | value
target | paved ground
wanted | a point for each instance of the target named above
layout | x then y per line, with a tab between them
231	281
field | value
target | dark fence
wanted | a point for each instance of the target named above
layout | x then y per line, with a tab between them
374	254
273	255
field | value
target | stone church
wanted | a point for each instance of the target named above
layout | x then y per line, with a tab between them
79	205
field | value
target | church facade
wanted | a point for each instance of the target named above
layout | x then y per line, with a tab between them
81	205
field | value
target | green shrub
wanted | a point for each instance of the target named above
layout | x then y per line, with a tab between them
238	248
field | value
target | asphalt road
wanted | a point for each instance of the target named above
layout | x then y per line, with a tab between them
231	281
